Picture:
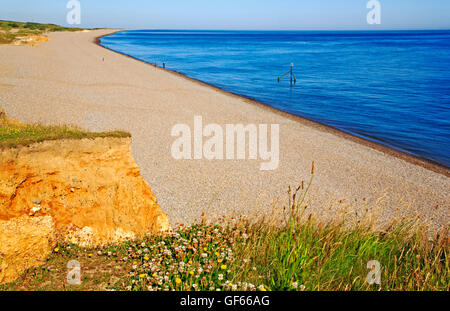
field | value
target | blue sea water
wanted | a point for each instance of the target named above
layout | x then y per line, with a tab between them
389	87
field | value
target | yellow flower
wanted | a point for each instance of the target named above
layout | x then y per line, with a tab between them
190	262
177	280
90	255
56	250
146	258
219	260
263	289
143	275
191	272
154	275
205	249
230	284
223	267
217	254
135	262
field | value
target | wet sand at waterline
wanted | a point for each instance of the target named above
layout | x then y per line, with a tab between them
73	80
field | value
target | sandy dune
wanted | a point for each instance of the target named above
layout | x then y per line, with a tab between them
72	80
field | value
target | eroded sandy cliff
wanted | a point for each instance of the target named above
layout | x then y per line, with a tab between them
90	190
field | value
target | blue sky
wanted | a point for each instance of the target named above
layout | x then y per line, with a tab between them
235	14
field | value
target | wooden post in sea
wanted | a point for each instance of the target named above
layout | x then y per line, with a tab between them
292	65
291	72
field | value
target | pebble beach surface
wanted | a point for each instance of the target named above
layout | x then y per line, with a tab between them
72	80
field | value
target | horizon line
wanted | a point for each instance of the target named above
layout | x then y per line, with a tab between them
217	29
205	29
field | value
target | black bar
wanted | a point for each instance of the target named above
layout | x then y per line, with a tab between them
260	301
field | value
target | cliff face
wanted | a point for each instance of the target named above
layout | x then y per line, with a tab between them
91	189
25	242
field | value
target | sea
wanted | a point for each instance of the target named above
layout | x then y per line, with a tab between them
389	87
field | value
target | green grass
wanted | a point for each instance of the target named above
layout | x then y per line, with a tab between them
310	255
13	133
9	25
298	254
334	258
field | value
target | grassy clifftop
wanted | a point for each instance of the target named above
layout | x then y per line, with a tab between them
14	133
11	31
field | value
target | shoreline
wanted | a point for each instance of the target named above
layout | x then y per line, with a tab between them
413	159
73	80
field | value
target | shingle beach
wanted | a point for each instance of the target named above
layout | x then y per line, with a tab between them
72	80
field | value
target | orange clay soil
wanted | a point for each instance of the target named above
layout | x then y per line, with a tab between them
92	189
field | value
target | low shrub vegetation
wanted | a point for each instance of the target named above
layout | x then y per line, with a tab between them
11	31
9	25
